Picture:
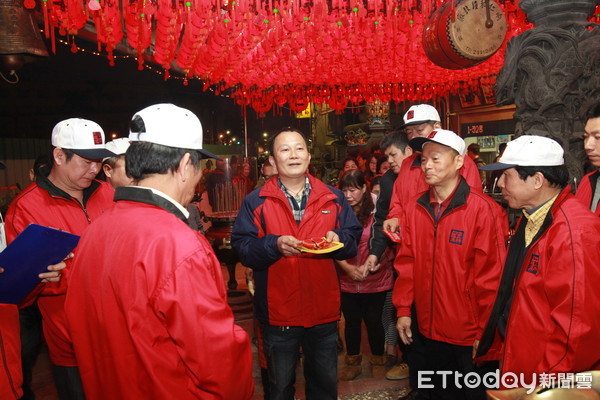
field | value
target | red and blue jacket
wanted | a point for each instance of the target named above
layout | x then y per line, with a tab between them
302	290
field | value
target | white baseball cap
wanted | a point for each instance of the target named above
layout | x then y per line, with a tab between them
83	137
441	136
419	114
168	125
529	151
118	146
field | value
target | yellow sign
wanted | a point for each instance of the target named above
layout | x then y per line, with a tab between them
305	113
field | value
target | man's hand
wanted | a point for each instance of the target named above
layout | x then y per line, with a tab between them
357	273
331	236
287	245
372	264
403	326
54	274
390	225
475	347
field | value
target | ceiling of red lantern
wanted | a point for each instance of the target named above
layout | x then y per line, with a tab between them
283	51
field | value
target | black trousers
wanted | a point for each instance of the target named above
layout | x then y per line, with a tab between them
31	335
368	307
415	354
68	383
445	357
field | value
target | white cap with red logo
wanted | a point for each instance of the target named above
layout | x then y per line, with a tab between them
419	114
83	137
441	136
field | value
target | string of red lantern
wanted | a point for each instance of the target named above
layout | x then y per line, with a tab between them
285	51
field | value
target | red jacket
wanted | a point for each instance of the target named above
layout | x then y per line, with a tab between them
554	323
411	181
10	353
301	290
45	204
147	309
585	191
451	270
379	281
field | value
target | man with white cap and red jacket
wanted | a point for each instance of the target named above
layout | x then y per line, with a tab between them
147	309
419	121
545	318
114	167
449	264
589	189
69	199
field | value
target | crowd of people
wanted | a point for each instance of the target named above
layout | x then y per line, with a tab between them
407	243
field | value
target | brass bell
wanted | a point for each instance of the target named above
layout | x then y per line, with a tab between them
20	38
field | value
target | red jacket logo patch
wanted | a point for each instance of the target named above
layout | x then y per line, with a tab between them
456	236
534	264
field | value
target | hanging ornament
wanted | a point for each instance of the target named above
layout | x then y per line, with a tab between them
285	51
94	5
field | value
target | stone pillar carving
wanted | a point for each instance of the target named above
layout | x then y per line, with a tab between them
552	73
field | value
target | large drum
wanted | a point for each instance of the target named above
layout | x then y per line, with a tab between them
461	34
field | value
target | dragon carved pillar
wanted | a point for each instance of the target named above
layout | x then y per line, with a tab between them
552	73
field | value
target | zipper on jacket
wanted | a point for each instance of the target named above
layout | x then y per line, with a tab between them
86	214
5	364
435	225
73	199
506	332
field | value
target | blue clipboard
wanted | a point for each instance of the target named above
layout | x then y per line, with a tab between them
28	256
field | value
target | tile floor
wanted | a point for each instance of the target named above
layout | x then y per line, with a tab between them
364	387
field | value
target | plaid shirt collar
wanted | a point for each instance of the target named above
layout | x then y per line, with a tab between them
298	205
535	219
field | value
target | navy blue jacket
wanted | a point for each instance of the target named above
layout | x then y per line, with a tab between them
300	290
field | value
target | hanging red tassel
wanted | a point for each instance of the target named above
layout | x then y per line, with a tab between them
53	41
111	59
46	19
